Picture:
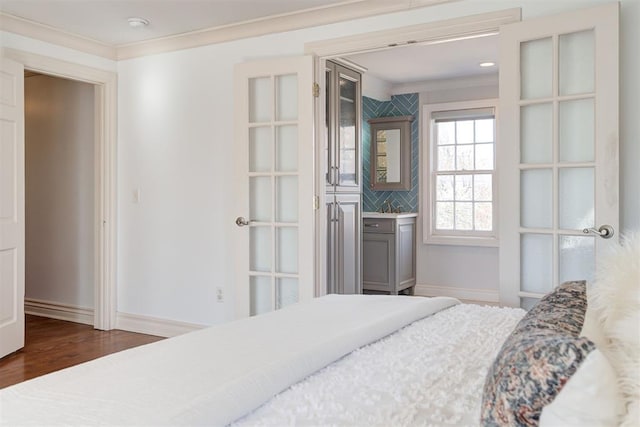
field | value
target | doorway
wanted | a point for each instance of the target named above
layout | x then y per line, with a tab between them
515	38
104	178
409	81
59	198
391	43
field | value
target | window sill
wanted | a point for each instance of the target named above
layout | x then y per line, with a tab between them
491	242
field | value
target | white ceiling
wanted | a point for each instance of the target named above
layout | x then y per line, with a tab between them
417	63
106	20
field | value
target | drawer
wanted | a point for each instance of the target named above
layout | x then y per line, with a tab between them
378	225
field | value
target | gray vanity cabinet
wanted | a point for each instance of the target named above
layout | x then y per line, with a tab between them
388	254
343	244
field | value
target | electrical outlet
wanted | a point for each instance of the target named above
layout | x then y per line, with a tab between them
219	295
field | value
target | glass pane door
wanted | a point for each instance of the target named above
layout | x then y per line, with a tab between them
558	107
557	161
348	136
343	118
329	142
275	155
273	191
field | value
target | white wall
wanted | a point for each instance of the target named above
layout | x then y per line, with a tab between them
629	113
59	139
439	265
175	145
175	115
376	88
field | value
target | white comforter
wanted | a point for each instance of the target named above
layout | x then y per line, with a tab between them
430	373
216	375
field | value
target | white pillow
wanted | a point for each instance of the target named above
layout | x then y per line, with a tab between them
590	398
592	328
615	301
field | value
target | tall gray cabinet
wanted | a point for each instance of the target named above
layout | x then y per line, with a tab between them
343	179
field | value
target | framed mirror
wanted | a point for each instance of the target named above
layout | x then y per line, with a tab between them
391	153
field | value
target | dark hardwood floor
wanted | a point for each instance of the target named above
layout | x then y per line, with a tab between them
51	345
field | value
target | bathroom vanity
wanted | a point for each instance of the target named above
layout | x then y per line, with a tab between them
389	252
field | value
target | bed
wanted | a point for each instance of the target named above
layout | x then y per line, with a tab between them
355	360
430	372
338	359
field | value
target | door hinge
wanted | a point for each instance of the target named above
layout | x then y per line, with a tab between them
316	90
316	203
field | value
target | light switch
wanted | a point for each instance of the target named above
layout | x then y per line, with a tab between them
136	195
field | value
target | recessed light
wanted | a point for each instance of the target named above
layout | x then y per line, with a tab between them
487	64
137	22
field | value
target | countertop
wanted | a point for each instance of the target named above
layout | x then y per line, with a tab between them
389	215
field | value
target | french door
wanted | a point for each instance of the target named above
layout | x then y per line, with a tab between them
275	184
12	243
558	153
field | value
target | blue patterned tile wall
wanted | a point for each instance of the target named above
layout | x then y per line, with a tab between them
400	105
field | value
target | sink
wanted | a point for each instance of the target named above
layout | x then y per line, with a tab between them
388	215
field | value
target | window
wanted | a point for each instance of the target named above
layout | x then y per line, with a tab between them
460	182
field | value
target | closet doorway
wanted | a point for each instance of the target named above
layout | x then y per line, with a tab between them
59	197
102	314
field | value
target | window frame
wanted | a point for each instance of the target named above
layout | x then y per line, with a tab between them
455	237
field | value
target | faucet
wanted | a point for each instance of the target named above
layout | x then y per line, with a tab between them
388	208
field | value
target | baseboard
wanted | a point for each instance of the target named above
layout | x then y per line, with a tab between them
153	325
467	294
59	311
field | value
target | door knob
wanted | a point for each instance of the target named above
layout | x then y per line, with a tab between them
605	231
241	222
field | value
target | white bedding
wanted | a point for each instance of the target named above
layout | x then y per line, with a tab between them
216	375
429	373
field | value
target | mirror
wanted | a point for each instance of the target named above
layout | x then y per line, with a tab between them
391	153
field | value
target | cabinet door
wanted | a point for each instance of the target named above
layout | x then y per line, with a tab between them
348	128
378	255
343	123
331	245
330	128
347	243
405	260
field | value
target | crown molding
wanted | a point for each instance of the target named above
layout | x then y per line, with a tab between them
324	15
275	24
431	32
350	64
45	33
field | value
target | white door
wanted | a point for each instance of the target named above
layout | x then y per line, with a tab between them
11	206
275	180
558	153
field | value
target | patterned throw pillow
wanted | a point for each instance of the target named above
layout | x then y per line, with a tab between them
560	311
537	359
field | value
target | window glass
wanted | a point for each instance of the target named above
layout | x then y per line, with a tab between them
463	197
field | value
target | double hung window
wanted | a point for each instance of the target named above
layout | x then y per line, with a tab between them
461	182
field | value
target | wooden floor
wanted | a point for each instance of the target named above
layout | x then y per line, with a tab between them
51	345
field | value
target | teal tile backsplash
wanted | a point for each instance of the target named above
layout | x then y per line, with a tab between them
400	105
